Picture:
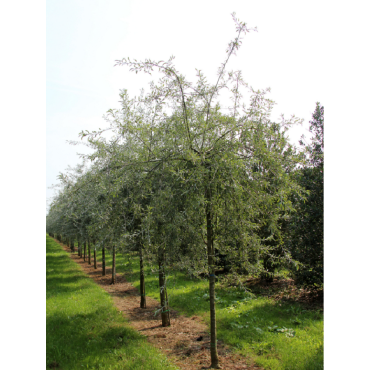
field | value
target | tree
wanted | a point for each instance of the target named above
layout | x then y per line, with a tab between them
178	129
201	183
307	224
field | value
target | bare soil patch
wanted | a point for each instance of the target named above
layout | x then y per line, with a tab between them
178	341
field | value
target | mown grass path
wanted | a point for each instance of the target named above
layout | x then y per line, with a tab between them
83	328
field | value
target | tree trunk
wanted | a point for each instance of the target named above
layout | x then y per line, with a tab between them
103	260
114	266
142	279
72	245
94	257
212	279
89	251
165	312
85	250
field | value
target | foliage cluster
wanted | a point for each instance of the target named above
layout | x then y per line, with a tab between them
306	228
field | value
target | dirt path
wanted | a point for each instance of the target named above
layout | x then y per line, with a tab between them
178	341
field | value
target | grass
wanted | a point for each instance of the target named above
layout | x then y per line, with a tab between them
277	335
83	328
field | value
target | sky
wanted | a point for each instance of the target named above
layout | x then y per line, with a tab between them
85	37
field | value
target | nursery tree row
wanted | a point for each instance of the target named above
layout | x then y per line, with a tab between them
184	181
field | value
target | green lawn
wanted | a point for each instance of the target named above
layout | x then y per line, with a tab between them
277	335
83	328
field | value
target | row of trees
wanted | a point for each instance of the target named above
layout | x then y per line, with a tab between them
185	184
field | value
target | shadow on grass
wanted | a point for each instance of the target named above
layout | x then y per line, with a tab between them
84	330
245	325
81	339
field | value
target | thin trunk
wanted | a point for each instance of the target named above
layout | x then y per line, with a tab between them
103	260
72	245
142	279
89	251
85	250
94	257
212	280
114	266
165	312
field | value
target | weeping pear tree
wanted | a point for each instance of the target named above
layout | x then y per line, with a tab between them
179	128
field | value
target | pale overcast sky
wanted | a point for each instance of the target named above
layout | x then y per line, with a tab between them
85	37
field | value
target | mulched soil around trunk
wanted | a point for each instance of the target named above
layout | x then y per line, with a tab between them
178	341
